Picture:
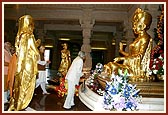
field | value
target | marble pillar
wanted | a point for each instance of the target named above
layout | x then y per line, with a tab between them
87	26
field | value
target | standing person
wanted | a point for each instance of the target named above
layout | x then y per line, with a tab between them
41	71
73	76
7	58
26	65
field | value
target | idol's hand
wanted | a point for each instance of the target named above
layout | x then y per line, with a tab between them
116	59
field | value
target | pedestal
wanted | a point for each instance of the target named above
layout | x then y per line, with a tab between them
95	102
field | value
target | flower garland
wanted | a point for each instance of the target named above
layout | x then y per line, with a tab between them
157	65
157	54
63	88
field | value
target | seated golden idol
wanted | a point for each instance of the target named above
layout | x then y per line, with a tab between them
136	61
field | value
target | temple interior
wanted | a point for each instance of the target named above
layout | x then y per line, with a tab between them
96	29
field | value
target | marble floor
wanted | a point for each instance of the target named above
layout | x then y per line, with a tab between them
53	103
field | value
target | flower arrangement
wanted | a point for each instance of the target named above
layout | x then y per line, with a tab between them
97	71
99	68
119	95
92	82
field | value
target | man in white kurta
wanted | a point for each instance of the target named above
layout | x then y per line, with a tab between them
41	71
73	76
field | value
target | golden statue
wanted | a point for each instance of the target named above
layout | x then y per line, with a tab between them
26	65
66	59
136	61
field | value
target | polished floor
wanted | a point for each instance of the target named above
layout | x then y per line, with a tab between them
51	102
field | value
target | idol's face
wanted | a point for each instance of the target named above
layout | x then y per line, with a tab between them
137	23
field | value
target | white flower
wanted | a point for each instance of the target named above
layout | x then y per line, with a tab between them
92	80
160	57
113	75
91	84
155	71
150	72
154	66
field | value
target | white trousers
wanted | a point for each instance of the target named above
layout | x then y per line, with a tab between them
69	101
41	80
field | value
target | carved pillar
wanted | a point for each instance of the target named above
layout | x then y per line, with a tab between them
87	25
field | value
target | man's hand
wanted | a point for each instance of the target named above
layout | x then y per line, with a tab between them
48	61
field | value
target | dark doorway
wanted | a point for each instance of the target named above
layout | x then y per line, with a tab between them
97	57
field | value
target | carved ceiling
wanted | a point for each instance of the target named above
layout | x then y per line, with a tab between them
112	7
12	10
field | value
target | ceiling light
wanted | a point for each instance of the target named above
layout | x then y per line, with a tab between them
65	39
98	48
48	46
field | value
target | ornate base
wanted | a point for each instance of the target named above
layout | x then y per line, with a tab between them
95	102
142	79
90	98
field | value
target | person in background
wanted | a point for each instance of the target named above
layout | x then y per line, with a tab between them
7	58
41	79
73	76
11	70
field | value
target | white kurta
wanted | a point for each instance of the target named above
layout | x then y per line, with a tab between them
73	76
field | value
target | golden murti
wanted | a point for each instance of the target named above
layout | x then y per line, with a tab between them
26	65
66	60
64	66
136	61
